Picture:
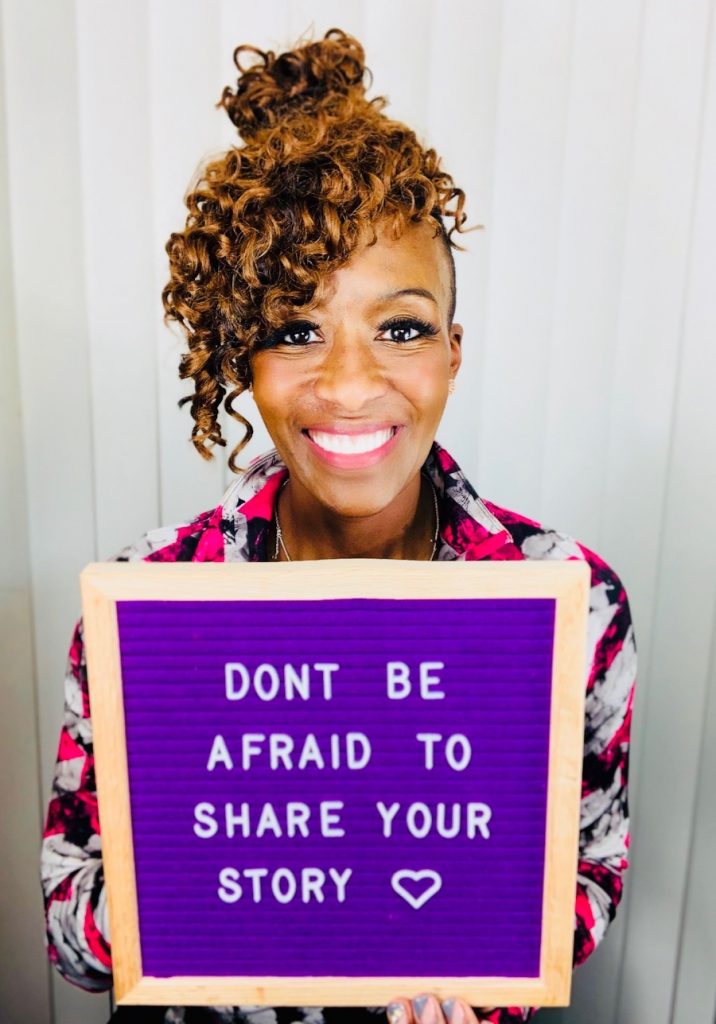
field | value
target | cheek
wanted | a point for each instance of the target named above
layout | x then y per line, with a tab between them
275	393
424	384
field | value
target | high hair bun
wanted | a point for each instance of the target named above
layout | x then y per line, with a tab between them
327	72
271	220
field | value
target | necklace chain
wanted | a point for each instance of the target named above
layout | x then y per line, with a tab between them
279	534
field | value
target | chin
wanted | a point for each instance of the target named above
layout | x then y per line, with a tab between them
358	497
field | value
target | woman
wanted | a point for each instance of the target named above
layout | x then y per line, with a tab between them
315	269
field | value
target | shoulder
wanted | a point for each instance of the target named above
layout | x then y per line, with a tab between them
611	643
219	533
539	541
199	539
610	614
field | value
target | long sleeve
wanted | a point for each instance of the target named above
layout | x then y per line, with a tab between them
604	824
76	912
604	813
77	929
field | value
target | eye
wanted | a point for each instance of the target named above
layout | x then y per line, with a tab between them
409	328
293	335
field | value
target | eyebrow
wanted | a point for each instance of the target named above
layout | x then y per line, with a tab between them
423	292
386	297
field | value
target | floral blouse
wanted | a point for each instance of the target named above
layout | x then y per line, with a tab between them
77	932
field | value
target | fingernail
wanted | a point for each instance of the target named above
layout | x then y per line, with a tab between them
447	1008
424	1008
395	1013
456	1014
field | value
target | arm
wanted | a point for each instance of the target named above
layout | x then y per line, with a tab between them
604	814
604	824
77	929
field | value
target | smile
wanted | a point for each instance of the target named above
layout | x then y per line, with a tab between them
351	444
347	450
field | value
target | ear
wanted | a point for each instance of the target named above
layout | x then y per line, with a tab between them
456	333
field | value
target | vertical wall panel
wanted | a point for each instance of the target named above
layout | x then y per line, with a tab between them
595	178
117	217
679	779
649	541
392	29
24	970
529	155
315	17
695	995
597	164
464	75
50	301
185	84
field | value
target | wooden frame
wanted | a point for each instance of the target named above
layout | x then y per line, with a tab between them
103	584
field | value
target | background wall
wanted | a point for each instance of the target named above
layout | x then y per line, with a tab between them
585	137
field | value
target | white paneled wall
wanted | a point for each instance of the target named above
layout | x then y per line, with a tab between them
585	137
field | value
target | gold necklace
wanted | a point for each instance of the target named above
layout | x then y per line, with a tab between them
279	534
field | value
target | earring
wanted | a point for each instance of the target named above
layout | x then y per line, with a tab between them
451	385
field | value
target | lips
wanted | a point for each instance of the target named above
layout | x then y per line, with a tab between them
351	443
352	448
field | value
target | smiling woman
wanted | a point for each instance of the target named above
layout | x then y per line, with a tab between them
353	399
315	268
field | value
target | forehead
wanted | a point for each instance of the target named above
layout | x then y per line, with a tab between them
417	259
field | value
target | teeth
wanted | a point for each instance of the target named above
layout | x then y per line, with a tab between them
351	444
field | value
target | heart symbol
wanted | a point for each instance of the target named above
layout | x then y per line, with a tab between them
416	902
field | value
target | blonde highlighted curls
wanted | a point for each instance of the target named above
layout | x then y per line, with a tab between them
320	165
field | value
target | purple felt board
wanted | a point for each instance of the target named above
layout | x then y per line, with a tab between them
485	917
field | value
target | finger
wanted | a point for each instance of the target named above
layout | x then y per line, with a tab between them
400	1011
427	1009
457	1011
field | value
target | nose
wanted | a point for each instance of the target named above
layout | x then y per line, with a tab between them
350	375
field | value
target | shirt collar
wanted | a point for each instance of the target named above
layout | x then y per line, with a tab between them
468	530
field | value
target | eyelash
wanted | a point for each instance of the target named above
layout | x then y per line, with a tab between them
279	337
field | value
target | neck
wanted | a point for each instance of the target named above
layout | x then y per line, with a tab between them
311	531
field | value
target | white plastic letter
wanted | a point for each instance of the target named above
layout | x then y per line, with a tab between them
457	739
312	882
295	682
231	820
280	747
229	889
387	814
219	753
341	881
353	760
429	739
441	825
419	831
331	819
327	668
427	680
287	875
204	821
311	752
250	746
297	815
478	816
398	680
268	822
256	874
230	669
274	682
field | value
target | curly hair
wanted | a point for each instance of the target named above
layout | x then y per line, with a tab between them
320	165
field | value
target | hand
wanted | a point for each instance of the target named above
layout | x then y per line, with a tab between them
428	1009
